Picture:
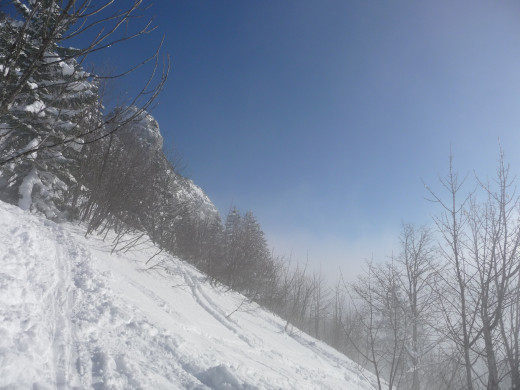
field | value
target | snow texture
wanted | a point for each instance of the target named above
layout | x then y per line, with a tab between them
75	316
26	189
37	107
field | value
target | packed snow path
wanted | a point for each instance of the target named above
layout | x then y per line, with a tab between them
75	316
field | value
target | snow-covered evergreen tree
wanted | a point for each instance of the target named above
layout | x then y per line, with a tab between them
256	253
247	257
58	102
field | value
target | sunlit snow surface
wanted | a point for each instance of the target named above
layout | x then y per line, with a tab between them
74	316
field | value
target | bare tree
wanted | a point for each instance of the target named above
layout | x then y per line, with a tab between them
320	304
378	306
458	309
494	246
299	290
417	270
339	312
478	290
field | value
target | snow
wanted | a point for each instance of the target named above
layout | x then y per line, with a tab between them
190	192
26	189
143	126
37	107
73	315
78	86
4	69
66	69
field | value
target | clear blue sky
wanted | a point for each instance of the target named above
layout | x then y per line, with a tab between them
324	117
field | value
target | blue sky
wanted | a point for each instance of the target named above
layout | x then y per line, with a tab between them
324	117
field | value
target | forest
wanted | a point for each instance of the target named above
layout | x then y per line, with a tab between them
443	312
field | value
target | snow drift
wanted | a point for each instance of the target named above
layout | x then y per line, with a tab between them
73	315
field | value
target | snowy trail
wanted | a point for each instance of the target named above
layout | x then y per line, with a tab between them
35	303
73	316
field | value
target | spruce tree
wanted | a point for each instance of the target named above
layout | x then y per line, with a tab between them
57	102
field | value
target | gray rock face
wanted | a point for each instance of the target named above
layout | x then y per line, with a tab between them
144	127
145	130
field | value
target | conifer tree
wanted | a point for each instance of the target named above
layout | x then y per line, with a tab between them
49	105
248	262
58	101
232	237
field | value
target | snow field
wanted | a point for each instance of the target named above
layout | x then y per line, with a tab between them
75	316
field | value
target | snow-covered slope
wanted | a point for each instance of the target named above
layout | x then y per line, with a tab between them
73	315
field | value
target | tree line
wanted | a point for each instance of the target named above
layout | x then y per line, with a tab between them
444	313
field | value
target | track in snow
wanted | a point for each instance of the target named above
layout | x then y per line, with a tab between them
74	316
